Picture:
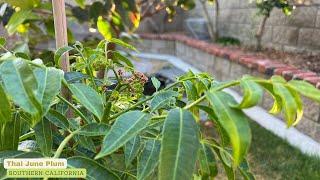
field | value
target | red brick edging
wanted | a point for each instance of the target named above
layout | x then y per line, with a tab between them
250	60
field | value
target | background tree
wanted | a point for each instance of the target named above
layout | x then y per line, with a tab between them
265	8
212	28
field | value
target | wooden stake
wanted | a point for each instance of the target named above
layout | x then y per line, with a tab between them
60	26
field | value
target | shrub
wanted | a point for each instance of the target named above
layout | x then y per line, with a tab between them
117	132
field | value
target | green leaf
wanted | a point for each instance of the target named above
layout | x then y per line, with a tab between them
125	127
89	98
81	3
43	133
289	103
95	171
233	121
5	110
49	85
245	170
25	4
180	144
252	94
131	149
22	55
298	100
119	57
122	43
22	92
9	133
86	143
59	53
17	19
148	159
227	166
74	77
14	154
191	90
162	99
277	107
104	28
207	162
305	89
57	119
156	83
2	41
94	129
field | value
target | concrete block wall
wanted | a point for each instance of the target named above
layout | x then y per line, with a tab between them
298	32
225	69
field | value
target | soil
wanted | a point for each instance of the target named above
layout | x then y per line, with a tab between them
303	61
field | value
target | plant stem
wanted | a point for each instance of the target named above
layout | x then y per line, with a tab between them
73	107
219	88
141	102
64	143
26	136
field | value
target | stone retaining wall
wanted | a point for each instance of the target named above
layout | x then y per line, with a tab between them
298	32
227	64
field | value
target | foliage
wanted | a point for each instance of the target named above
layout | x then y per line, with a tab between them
118	132
265	6
228	41
33	19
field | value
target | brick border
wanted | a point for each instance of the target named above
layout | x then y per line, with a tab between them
265	66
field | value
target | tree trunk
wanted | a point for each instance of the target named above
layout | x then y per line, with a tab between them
260	32
207	17
216	34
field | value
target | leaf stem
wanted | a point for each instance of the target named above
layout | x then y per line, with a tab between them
218	88
141	102
27	135
64	143
73	107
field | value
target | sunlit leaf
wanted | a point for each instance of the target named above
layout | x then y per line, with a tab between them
104	28
234	122
289	103
122	43
305	89
252	94
17	19
119	57
25	4
2	41
81	3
